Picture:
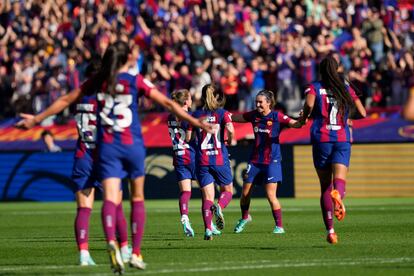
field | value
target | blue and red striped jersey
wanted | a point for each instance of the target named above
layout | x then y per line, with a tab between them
118	113
266	133
211	149
183	152
85	117
328	124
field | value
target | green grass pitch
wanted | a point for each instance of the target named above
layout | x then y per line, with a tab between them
376	238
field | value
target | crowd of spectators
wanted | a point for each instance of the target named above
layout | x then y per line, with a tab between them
241	46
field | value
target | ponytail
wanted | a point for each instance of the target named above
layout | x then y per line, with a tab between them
211	98
331	79
116	55
180	96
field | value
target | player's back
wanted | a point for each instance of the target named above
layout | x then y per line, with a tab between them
85	117
211	149
329	125
119	123
183	152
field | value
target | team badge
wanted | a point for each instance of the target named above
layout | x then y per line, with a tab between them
269	123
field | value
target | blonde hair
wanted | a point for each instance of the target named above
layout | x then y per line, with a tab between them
211	98
180	96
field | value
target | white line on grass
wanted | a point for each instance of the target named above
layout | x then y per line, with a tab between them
233	265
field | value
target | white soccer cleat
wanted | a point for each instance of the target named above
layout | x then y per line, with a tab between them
137	262
117	265
85	259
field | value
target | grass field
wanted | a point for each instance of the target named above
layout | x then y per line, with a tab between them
376	238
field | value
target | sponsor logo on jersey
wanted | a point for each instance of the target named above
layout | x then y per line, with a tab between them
211	119
261	130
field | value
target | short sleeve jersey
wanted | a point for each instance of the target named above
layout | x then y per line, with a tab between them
183	152
119	123
211	149
328	124
266	133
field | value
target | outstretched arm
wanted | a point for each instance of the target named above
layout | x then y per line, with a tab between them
173	107
408	110
29	120
230	133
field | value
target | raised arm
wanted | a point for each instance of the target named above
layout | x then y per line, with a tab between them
173	107
29	120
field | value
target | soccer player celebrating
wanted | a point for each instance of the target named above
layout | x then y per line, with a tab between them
329	102
84	172
265	158
213	164
121	147
183	156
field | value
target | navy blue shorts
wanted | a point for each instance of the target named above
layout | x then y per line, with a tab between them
326	154
185	172
84	173
221	175
272	173
121	161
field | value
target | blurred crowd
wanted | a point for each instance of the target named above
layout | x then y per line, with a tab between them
241	46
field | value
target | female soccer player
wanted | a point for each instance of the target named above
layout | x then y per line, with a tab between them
213	165
84	168
183	156
329	102
121	147
265	158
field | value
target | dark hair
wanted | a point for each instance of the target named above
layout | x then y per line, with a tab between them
270	96
115	56
211	98
328	70
93	67
180	96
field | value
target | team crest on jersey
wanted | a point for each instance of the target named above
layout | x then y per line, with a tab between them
269	123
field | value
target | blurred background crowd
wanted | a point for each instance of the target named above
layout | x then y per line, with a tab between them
241	46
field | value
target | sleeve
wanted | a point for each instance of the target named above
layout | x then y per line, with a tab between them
227	117
249	116
310	90
144	86
283	119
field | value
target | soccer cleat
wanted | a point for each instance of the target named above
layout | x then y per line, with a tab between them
137	262
339	207
216	209
332	238
214	230
188	230
208	235
241	224
126	252
278	230
86	260
117	265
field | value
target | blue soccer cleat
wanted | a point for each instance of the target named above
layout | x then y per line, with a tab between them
188	230
241	224
214	230
278	230
208	235
216	209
